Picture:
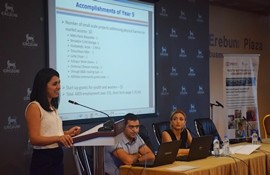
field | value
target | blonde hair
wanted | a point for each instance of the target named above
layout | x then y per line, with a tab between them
177	111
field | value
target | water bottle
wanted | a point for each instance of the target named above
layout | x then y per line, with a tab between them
226	146
216	147
254	138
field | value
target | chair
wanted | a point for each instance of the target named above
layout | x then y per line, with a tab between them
145	136
158	128
266	125
205	126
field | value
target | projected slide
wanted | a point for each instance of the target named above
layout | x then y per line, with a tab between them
104	52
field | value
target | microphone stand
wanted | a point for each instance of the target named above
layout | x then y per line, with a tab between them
248	136
107	126
248	125
211	106
98	149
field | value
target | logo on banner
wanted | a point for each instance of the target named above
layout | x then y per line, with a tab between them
182	15
27	97
183	90
199	54
12	123
9	11
164	91
173	33
163	51
200	90
174	72
11	67
182	53
29	41
163	12
191	72
199	18
191	35
174	107
192	108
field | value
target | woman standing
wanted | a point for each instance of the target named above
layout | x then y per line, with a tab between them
45	126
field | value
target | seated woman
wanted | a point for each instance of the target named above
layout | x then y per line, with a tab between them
178	131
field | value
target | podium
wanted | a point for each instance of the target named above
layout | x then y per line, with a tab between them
97	139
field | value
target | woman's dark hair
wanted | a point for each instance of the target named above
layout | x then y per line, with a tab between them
39	90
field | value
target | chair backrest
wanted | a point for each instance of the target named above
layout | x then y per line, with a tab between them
158	128
145	136
205	126
266	125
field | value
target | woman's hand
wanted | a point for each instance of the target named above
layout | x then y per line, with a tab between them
66	140
74	131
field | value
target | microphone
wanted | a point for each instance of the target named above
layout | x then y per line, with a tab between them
219	104
107	126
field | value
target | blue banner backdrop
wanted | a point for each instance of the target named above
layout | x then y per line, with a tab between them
182	56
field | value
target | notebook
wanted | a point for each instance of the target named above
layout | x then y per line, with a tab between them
200	148
166	154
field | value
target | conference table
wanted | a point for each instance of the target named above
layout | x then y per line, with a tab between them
256	163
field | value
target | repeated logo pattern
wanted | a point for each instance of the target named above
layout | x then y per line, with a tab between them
20	56
182	59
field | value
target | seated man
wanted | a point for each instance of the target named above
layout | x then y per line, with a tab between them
130	148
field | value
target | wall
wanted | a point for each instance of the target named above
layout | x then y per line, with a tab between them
182	70
22	53
227	24
182	59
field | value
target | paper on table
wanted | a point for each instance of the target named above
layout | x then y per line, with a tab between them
244	149
182	168
90	131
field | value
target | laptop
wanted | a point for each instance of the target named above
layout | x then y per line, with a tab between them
166	154
200	148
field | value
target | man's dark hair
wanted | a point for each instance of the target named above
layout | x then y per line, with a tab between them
130	116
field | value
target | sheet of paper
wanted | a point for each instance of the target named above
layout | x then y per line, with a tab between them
244	149
90	131
182	168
